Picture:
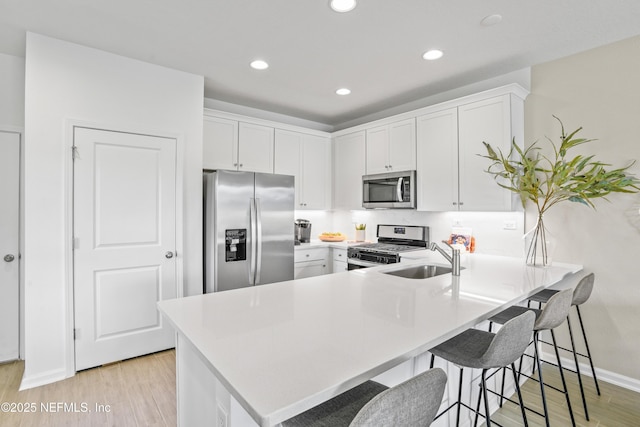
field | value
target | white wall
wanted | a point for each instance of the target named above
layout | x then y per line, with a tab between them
67	82
600	91
11	91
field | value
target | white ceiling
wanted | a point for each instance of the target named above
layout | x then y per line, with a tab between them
375	50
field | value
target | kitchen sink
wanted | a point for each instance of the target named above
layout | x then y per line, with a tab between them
419	271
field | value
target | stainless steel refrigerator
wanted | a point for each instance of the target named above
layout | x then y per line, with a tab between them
248	229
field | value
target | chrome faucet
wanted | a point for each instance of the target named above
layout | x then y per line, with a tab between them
454	258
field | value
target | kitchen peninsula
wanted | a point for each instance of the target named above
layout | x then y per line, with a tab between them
261	355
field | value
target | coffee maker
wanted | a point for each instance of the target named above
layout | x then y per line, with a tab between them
302	231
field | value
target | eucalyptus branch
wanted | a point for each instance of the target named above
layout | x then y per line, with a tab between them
547	181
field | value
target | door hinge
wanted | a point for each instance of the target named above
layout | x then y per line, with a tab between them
75	333
76	242
74	152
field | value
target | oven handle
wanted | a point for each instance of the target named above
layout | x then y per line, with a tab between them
399	189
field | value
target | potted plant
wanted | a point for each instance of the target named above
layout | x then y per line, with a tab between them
547	181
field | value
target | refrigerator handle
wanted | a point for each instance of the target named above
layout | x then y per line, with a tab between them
254	241
258	242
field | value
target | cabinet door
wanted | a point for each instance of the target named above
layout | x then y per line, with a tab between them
402	145
377	150
309	269
255	148
488	121
437	161
316	178
288	159
349	163
220	143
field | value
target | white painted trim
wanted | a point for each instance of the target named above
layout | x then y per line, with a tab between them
43	379
208	112
510	89
70	125
603	375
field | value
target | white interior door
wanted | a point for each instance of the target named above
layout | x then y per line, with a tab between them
9	245
124	244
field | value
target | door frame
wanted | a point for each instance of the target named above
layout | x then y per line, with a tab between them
20	132
70	126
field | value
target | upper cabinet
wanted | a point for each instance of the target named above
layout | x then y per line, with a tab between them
437	165
307	157
391	148
349	166
233	145
451	171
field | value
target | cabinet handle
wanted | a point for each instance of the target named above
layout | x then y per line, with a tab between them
455	203
461	203
307	255
240	165
235	165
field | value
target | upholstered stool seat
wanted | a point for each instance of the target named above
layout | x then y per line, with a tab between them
411	403
479	349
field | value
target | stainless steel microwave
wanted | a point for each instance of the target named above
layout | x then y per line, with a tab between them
395	190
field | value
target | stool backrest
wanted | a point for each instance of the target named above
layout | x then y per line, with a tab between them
583	289
413	403
510	341
555	310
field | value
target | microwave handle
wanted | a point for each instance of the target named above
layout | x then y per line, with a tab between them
399	189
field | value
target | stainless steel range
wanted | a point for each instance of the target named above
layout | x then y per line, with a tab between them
392	240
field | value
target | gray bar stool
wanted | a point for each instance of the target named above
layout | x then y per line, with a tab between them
478	349
413	403
581	294
552	315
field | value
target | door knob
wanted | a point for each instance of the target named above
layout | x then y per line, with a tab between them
169	254
9	257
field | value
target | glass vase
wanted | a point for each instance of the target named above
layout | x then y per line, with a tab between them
539	245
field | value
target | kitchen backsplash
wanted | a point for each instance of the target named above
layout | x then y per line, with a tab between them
496	233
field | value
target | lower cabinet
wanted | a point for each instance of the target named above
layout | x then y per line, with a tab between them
339	260
309	262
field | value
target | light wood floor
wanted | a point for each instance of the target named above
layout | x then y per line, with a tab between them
141	392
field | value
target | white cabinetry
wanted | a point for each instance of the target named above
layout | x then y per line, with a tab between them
309	262
391	147
339	260
450	171
349	166
437	165
233	145
307	157
220	143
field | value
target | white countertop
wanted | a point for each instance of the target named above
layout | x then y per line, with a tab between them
283	348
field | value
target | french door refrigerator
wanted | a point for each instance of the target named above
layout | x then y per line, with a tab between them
248	229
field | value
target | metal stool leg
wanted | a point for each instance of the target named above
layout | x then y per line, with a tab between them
484	396
586	344
522	409
575	358
538	363
564	383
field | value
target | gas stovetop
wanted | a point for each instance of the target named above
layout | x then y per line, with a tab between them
392	240
385	247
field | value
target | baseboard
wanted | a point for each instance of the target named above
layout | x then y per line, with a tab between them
602	374
42	379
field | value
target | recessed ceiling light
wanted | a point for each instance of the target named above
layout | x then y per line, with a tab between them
259	64
343	5
490	20
432	54
343	91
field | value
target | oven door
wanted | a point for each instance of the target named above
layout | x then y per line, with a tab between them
356	264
